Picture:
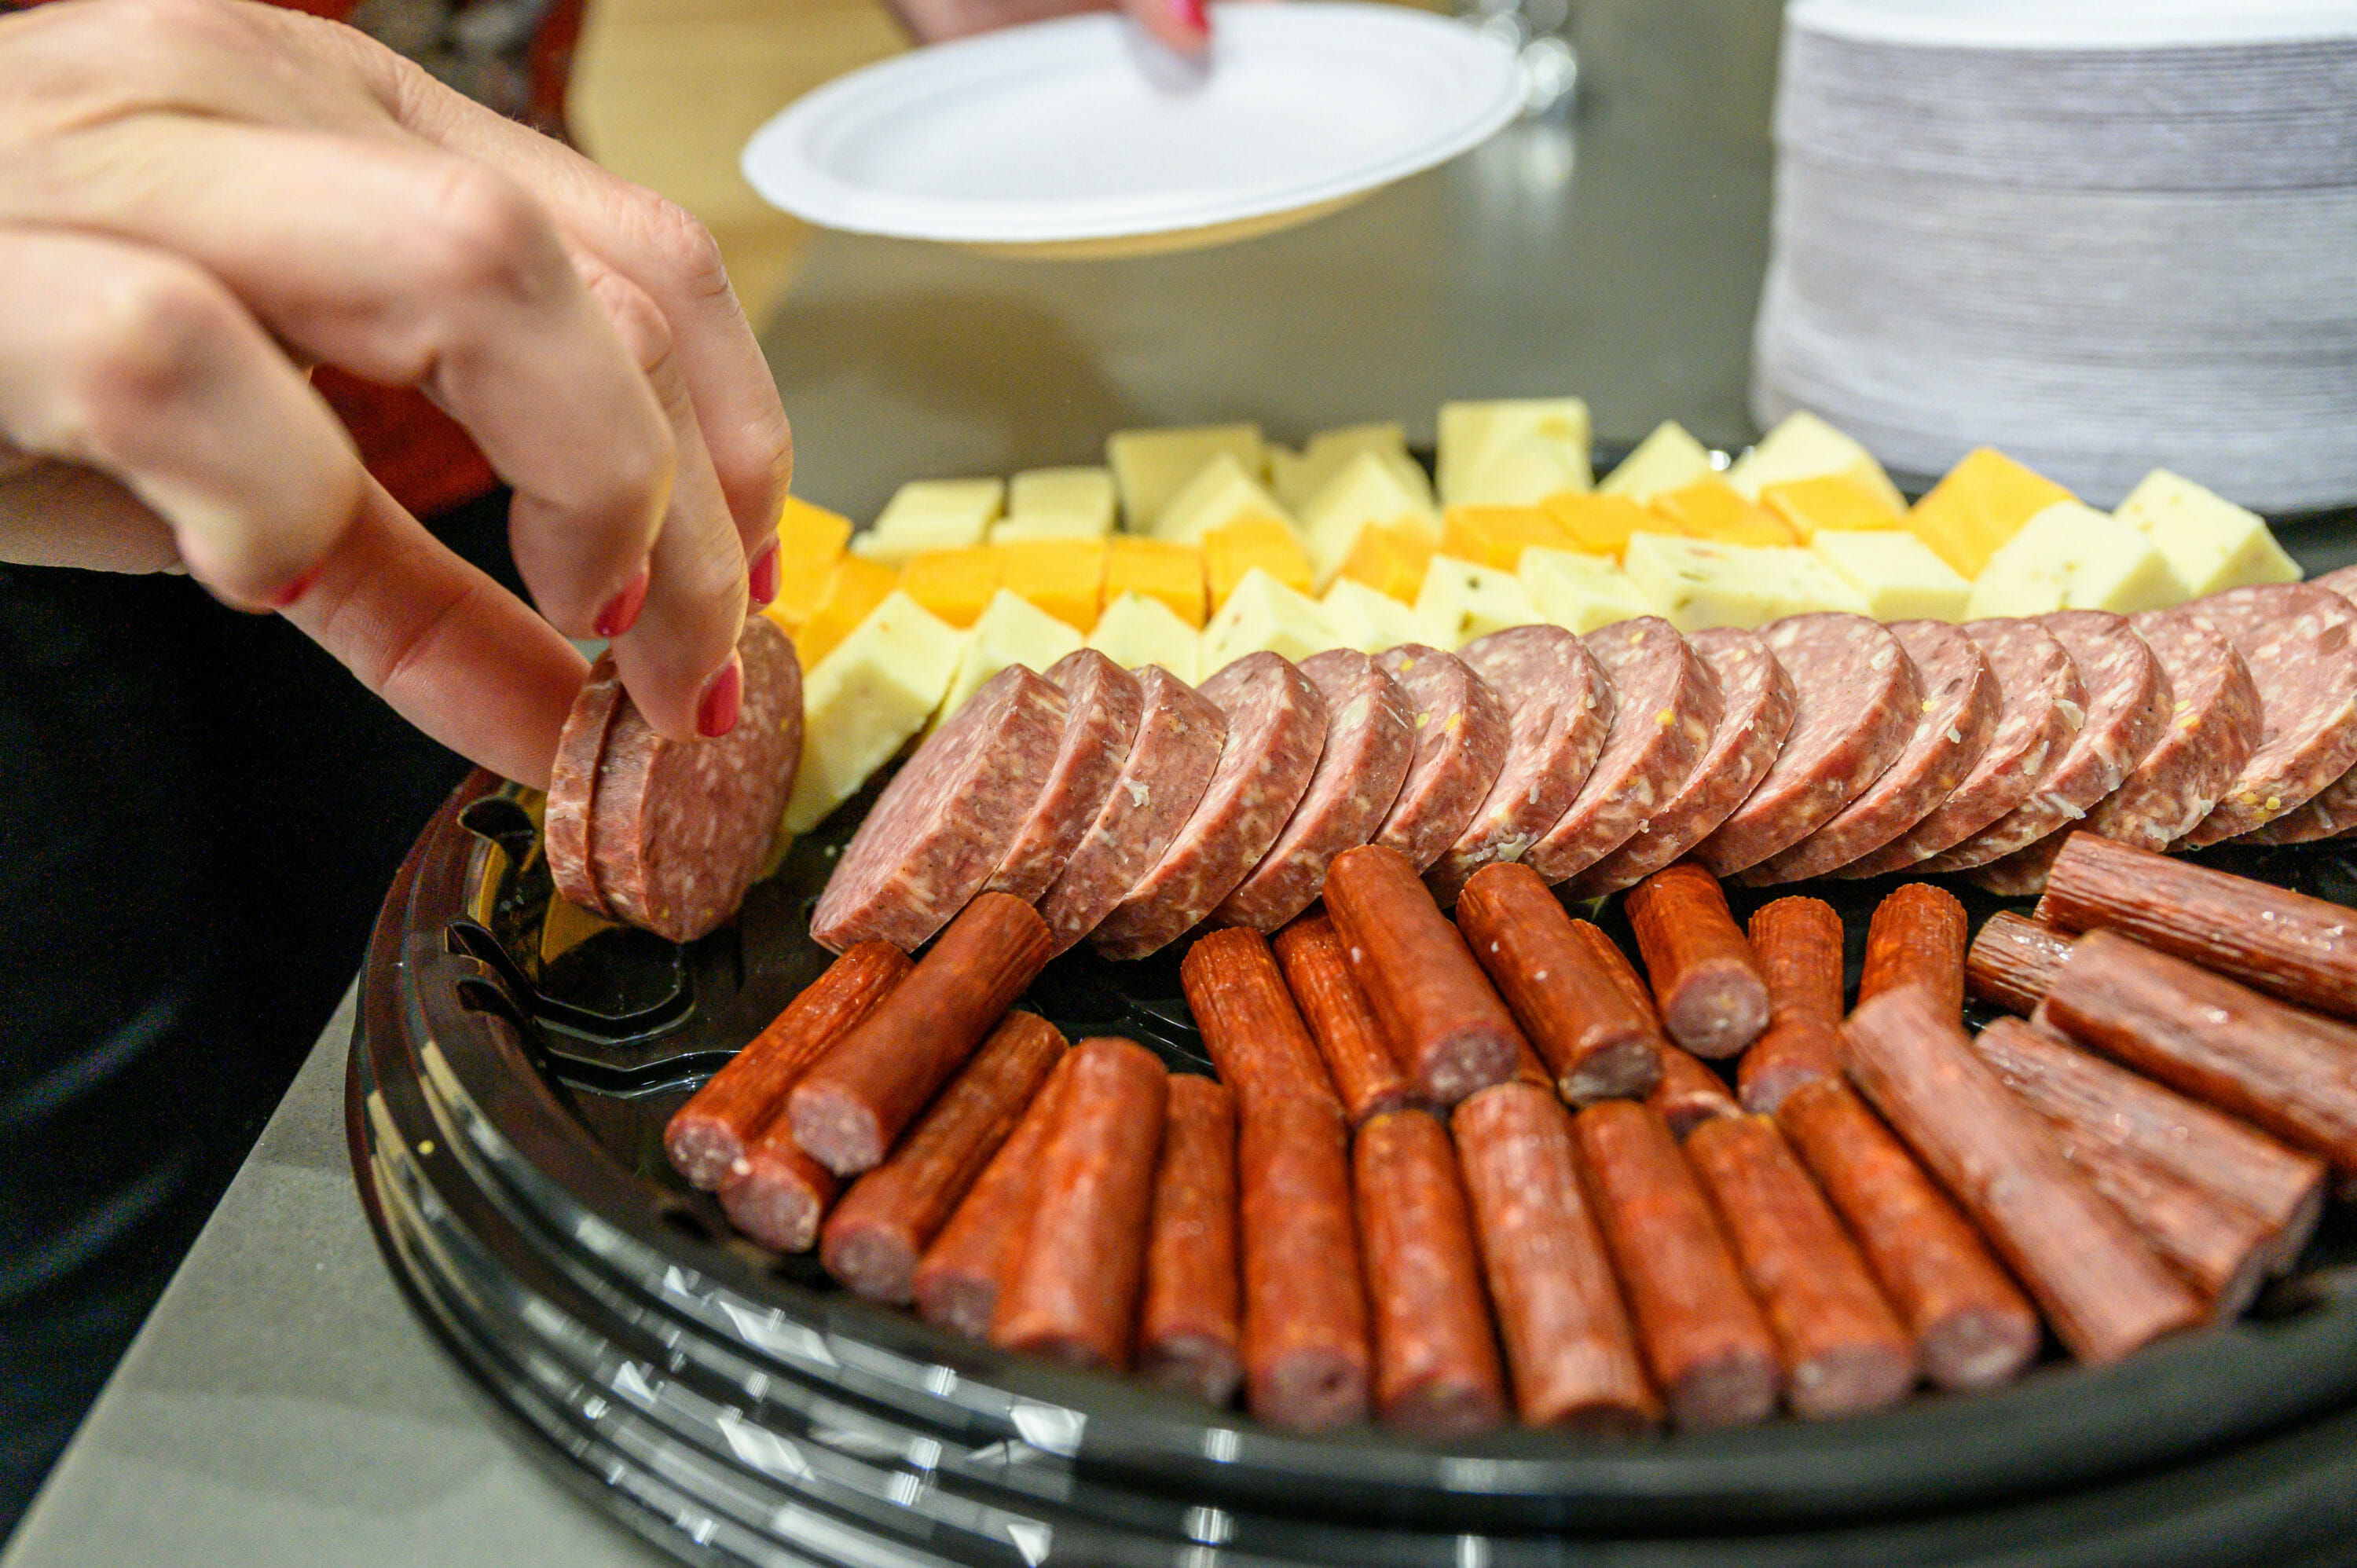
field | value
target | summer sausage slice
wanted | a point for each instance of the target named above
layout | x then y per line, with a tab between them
1756	702
1461	739
1370	734
2300	642
1560	705
1960	712
1667	707
678	828
1103	703
1277	728
2044	701
1180	734
947	819
573	779
1858	698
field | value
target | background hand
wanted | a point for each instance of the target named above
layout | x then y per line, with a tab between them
1181	24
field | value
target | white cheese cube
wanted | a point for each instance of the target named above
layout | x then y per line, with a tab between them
1219	493
1150	467
1136	630
1262	613
1898	574
1010	631
862	700
1804	447
1365	491
2072	558
1578	591
1666	460
1078	502
2212	544
1367	618
1297	476
1031	525
1461	600
1694	583
932	514
1552	431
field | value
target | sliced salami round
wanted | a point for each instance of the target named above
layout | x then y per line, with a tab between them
2044	702
2342	582
1559	706
678	828
1101	704
1462	733
1960	711
1756	711
2300	642
2213	727
1277	728
1180	734
1665	708
572	781
2334	813
1369	735
947	819
1857	698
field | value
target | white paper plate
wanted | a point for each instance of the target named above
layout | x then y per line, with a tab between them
1058	138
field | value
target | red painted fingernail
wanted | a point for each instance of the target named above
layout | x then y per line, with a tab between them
295	590
716	711
621	612
761	577
1191	16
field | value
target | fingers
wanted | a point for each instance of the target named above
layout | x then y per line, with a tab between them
137	365
452	651
1183	24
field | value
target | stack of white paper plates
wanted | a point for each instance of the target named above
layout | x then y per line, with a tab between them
2096	236
1075	138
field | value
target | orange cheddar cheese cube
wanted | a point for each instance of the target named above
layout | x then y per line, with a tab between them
954	584
1158	570
809	541
1840	502
1497	535
851	588
1233	549
1600	524
1390	557
1063	576
1712	509
1981	504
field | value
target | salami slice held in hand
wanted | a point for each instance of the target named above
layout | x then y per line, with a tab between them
572	779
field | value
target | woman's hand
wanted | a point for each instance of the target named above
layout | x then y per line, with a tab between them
1181	24
198	199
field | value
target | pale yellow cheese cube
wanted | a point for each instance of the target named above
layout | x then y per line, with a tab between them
1031	527
1366	490
1664	461
2072	558
1900	576
1073	497
1694	583
2212	544
1219	493
1295	477
864	698
1513	451
932	514
1368	618
1150	467
1011	630
1804	447
1461	600
1135	631
1263	614
1578	591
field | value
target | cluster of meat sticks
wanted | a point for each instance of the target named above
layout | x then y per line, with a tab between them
1432	1140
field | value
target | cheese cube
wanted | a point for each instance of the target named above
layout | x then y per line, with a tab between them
1513	451
1840	501
864	698
1219	493
1600	524
1497	535
2210	543
1297	476
1035	526
1709	508
1461	600
1150	467
1010	631
1170	573
932	514
1364	491
1080	499
1263	613
852	588
1366	619
1804	447
1580	592
809	541
1389	558
1982	503
1135	631
2072	558
1895	573
1063	576
1249	543
954	584
1697	583
1662	461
